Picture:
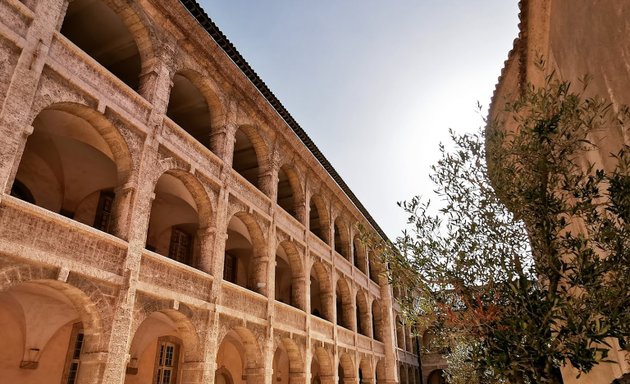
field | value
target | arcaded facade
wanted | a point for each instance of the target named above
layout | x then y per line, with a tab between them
574	39
164	220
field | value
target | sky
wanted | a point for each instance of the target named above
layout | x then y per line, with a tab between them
376	84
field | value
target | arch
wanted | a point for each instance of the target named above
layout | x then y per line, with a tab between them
112	32
70	141
319	219
290	286
377	320
363	315
289	192
380	373
436	377
165	331
346	369
344	312
375	269
245	261
366	371
321	292
288	364
181	208
239	354
250	158
341	243
195	106
358	254
42	321
322	362
400	333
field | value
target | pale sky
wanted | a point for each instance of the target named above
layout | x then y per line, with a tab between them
376	83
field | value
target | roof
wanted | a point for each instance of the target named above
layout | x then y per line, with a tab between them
215	33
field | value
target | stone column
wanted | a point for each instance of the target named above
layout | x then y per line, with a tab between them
298	293
206	238
121	210
255	376
222	141
211	347
23	86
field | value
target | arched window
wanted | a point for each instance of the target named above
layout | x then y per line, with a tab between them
101	33
286	195
318	218
377	320
289	278
345	314
321	292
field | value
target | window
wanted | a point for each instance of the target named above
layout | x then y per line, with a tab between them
229	268
179	250
102	220
73	357
166	361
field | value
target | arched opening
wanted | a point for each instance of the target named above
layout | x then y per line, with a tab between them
287	185
377	320
374	266
100	32
245	159
346	371
321	367
363	315
402	374
358	256
318	218
158	349
280	366
436	377
174	221
366	373
341	239
345	314
289	278
380	372
400	333
321	292
244	254
239	358
71	165
188	108
44	336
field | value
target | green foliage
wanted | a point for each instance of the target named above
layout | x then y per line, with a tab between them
528	256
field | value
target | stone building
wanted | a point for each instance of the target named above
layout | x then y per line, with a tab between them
164	219
574	39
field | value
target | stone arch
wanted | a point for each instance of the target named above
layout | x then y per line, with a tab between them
289	275
400	333
380	374
377	320
239	353
319	218
288	364
290	194
87	22
321	291
41	314
359	257
322	370
347	372
246	259
344	309
251	155
70	140
180	212
194	106
375	269
436	377
156	325
366	371
363	315
341	242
